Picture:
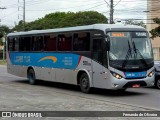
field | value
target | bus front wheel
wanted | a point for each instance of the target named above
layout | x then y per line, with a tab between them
31	77
157	83
84	83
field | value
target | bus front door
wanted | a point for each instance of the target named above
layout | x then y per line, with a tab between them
97	62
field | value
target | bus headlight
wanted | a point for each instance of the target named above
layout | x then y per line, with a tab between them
116	75
151	74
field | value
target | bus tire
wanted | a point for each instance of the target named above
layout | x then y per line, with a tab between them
84	83
157	83
31	77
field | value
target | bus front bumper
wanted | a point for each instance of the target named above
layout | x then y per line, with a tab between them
134	83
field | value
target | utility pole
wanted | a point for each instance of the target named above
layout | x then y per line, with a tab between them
24	13
111	11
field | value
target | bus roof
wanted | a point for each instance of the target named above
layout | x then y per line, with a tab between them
102	27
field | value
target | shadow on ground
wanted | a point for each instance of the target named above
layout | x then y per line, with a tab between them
96	91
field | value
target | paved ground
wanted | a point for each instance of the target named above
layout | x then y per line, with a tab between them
17	95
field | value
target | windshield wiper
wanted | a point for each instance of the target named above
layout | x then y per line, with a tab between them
137	51
129	53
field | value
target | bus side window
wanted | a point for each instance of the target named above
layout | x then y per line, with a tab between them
10	44
16	44
37	43
13	44
50	42
65	42
25	43
81	41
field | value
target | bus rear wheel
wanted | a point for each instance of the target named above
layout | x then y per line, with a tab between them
31	77
84	83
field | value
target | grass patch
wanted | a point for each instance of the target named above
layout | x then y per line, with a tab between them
2	62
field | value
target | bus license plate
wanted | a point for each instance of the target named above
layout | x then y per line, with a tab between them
136	86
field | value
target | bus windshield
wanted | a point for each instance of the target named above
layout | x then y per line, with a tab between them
130	46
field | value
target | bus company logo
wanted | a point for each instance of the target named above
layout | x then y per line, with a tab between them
86	63
6	114
53	58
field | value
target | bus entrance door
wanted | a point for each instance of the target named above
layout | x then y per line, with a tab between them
97	62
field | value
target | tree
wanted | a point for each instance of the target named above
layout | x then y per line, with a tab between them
19	27
63	19
132	22
156	31
3	30
1	35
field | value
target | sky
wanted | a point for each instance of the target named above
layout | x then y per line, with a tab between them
123	9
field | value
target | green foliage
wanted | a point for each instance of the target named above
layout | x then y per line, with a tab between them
3	30
156	32
1	34
132	22
1	43
19	27
62	19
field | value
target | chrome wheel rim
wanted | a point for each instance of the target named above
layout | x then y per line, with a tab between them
85	83
31	78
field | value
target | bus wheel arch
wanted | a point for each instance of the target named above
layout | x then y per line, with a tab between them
31	75
83	80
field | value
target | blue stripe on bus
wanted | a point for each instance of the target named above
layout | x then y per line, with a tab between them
49	60
135	74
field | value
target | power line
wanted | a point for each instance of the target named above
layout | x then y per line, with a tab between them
107	3
139	10
94	6
9	14
117	3
71	7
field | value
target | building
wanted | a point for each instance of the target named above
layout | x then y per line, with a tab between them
153	12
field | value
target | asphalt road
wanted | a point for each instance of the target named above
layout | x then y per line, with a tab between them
17	94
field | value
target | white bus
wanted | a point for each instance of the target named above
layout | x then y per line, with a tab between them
100	56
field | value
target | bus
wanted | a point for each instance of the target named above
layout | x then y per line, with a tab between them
106	56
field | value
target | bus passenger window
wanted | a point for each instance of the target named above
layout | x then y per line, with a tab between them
81	41
37	43
16	44
65	42
25	43
50	42
10	44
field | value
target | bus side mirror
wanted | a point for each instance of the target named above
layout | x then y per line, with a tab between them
107	44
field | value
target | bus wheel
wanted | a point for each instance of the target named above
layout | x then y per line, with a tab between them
84	83
158	83
31	77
